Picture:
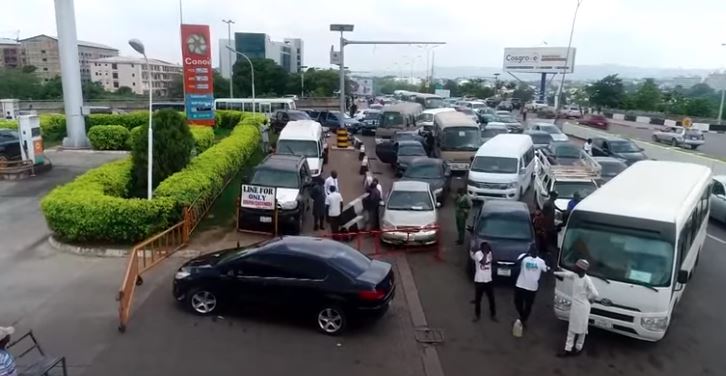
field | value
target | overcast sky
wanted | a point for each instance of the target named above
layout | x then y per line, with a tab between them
645	33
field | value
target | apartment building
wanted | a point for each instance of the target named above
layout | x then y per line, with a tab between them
119	71
11	54
41	51
287	54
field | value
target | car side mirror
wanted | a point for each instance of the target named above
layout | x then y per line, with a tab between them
683	276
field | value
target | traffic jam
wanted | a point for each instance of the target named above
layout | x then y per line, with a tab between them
524	203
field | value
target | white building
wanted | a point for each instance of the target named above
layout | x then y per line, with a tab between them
118	71
227	58
297	52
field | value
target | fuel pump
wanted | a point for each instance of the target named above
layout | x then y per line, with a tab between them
31	141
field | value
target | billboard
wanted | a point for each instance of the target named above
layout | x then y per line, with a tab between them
443	93
361	86
197	65
258	197
539	60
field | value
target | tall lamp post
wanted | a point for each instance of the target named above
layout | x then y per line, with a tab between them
252	74
229	40
342	28
558	103
138	46
302	80
723	90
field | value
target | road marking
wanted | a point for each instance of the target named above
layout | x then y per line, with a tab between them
716	239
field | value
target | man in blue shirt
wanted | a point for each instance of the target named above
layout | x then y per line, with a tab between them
576	198
7	362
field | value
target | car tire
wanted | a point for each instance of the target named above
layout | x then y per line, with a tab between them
331	319
202	301
674	142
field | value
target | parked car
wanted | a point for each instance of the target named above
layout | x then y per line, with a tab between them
9	145
507	227
617	147
679	136
505	105
546	113
281	118
501	112
516	103
570	112
540	139
563	153
323	280
486	118
552	129
610	168
370	122
407	151
512	124
718	198
433	171
410	208
595	121
489	131
536	105
332	120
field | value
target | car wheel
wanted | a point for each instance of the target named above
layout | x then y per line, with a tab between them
674	142
331	320
202	301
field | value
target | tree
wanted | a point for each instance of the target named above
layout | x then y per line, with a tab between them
476	88
29	68
647	97
270	78
523	92
221	86
52	89
173	145
452	87
176	88
124	91
701	107
608	92
15	83
700	90
510	85
320	82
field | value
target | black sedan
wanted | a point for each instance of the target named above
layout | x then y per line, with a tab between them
9	145
433	171
323	279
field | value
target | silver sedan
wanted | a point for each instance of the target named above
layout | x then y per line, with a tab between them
678	136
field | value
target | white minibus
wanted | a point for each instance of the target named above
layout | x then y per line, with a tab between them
502	168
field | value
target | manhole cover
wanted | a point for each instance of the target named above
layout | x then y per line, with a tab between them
427	335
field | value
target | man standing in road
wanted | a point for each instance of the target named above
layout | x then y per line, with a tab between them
530	270
371	204
265	132
548	211
463	205
317	193
524	114
331	181
353	109
483	280
7	362
334	202
587	147
583	291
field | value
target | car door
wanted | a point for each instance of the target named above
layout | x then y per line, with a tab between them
597	147
718	201
332	121
386	152
247	280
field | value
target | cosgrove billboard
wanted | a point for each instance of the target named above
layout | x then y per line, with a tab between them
197	64
539	60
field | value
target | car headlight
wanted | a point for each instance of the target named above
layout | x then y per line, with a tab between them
438	191
512	185
430	226
386	225
655	324
288	205
313	172
562	303
182	273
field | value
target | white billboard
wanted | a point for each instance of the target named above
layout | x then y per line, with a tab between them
361	86
539	60
443	93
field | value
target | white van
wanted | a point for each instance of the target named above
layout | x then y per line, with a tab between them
502	168
305	138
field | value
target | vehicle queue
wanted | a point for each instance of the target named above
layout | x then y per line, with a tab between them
599	211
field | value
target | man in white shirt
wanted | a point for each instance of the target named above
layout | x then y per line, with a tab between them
583	291
334	202
483	280
587	147
331	181
531	267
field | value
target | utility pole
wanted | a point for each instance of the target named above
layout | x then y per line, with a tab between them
229	54
558	103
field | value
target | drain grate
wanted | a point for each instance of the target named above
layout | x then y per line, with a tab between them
429	335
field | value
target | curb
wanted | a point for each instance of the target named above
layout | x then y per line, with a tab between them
89	151
109	252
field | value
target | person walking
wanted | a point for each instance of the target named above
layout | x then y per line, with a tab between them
583	291
334	203
330	181
317	193
524	114
265	133
540	230
353	109
7	361
531	267
587	147
548	211
462	207
483	280
371	205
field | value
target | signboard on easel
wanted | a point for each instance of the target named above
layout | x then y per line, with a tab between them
257	209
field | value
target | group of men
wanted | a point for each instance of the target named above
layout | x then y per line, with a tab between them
328	202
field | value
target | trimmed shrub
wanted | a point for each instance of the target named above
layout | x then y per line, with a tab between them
53	126
9	124
173	145
134	135
203	137
109	137
93	207
228	119
129	120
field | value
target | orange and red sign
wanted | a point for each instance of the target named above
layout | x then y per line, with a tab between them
198	73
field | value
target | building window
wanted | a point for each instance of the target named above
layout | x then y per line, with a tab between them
133	84
44	59
113	66
115	84
105	65
115	75
132	65
42	51
45	69
133	74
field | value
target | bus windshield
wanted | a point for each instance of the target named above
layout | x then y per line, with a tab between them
391	120
434	103
461	139
620	254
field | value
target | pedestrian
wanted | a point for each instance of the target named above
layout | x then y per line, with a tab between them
587	147
8	116
483	280
583	291
576	198
548	211
265	130
317	193
462	207
540	230
524	113
334	203
331	180
7	361
353	109
531	267
371	204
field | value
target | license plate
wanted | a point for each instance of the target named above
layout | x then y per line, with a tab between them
264	219
459	166
504	272
602	324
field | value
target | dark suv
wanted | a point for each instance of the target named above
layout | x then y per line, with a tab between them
619	148
507	227
281	118
292	178
9	145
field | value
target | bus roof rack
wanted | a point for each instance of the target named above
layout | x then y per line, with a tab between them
588	168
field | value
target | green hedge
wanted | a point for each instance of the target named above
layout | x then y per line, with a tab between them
93	207
53	126
10	124
128	120
203	137
109	137
227	119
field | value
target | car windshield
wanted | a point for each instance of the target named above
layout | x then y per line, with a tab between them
491	132
693	132
434	103
426	117
423	171
410	200
551	129
619	253
411	149
496	165
476	106
391	119
405	136
308	149
298	116
567	189
541	139
350	261
505	226
623	147
275	178
567	151
506	119
461	139
611	169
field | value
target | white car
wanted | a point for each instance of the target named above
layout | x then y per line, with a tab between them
503	113
536	105
718	198
571	112
679	136
552	129
410	215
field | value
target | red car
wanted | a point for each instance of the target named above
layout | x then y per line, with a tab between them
595	121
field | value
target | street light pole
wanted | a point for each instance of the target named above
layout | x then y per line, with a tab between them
252	74
342	74
229	40
138	46
558	105
723	90
302	80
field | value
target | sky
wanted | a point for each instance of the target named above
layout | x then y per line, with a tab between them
643	33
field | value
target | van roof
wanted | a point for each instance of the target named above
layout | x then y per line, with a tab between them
661	191
505	145
301	130
410	186
435	111
454	119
